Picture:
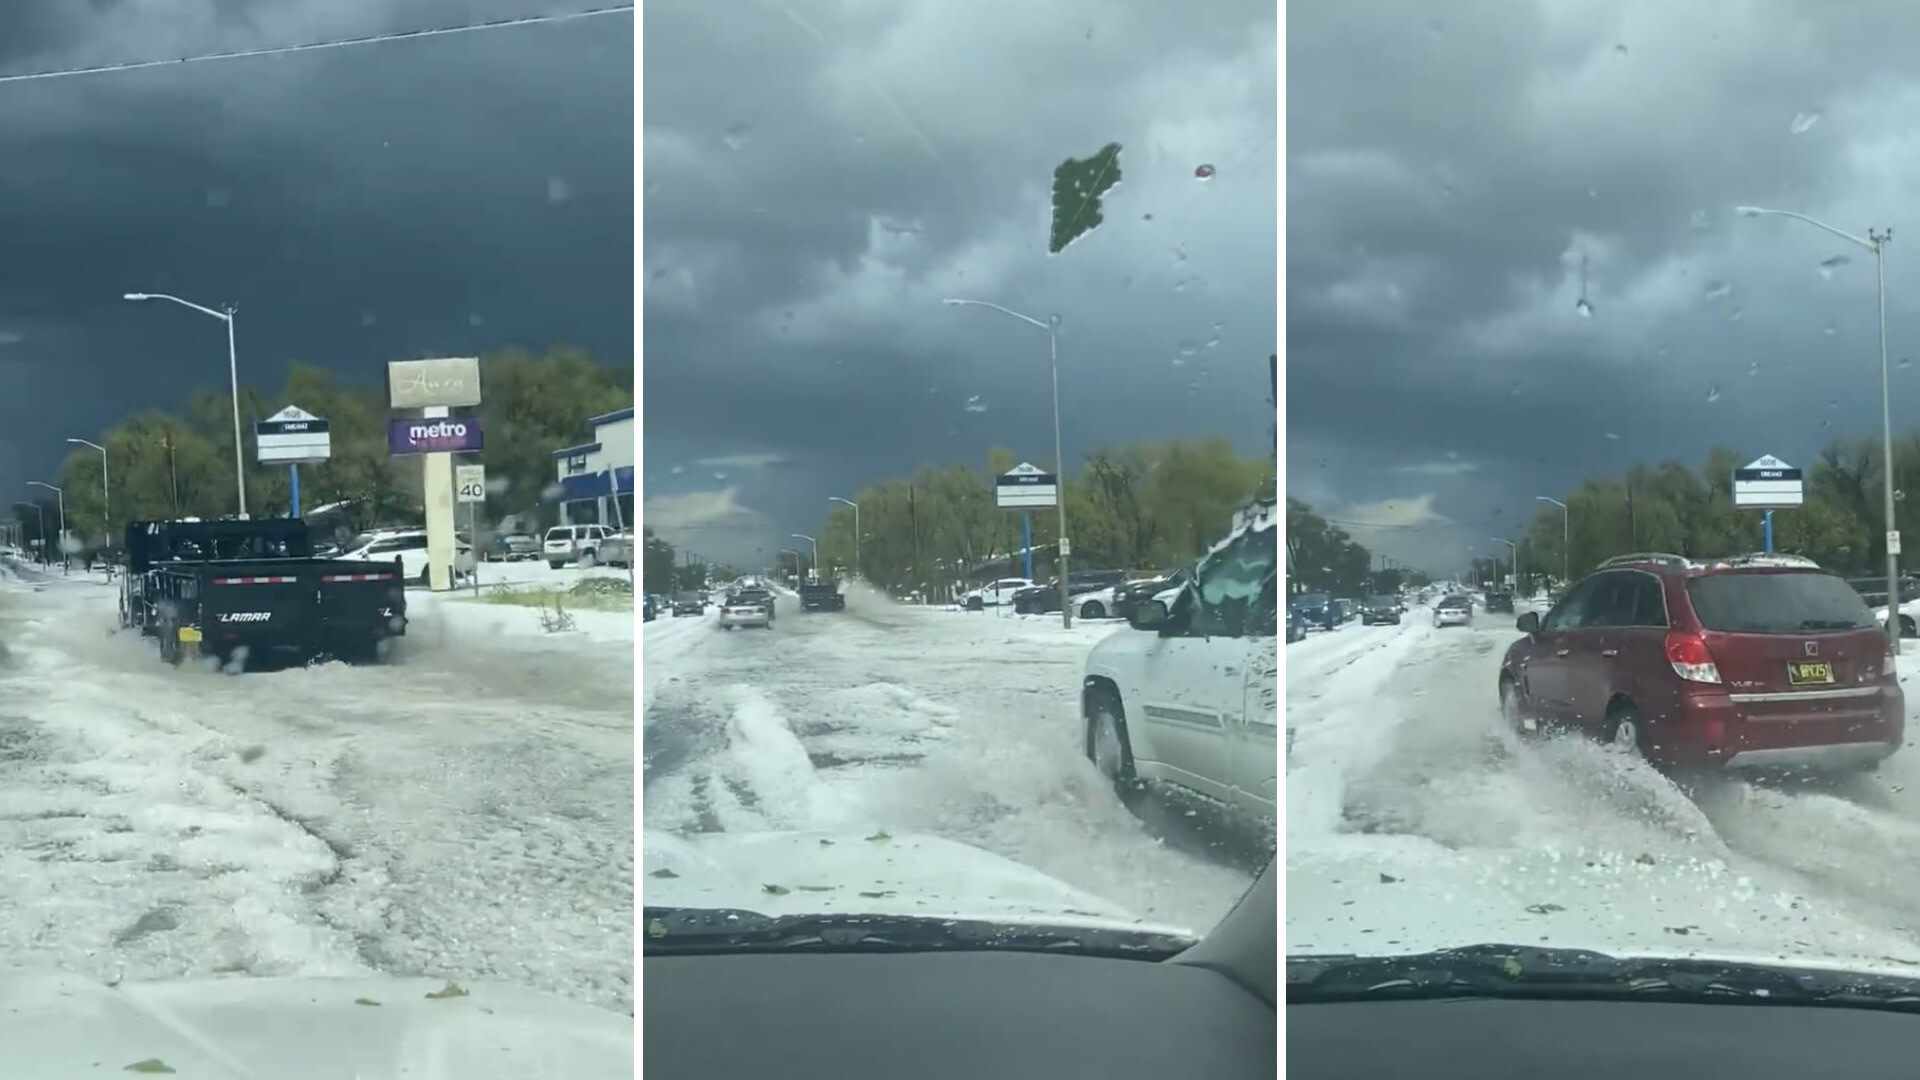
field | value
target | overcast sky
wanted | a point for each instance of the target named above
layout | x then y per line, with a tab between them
1449	169
819	175
425	197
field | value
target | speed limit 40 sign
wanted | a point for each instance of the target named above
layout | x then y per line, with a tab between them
470	483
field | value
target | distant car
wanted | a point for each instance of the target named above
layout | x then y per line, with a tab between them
1750	662
1380	610
1129	595
995	593
648	611
1499	600
616	550
567	544
748	607
512	547
1455	610
689	604
1318	609
1296	627
410	547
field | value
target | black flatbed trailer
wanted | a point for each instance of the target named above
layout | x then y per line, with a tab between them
821	596
239	590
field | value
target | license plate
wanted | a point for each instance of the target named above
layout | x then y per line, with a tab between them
189	633
1805	672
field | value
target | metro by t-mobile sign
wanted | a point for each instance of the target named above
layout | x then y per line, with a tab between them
447	435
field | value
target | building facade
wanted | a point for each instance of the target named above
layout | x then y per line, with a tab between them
596	478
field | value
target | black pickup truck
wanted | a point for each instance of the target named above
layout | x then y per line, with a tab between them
237	589
821	596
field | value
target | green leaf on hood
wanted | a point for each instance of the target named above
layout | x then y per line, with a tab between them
151	1065
656	928
451	990
365	1001
775	890
880	837
663	872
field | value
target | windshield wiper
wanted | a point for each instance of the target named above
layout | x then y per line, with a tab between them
676	931
1519	971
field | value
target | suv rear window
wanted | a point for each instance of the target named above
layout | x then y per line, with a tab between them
1777	603
560	532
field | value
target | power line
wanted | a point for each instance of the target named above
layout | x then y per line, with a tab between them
333	43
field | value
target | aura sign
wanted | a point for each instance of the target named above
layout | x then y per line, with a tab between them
446	435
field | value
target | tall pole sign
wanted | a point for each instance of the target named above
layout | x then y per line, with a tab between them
1026	487
293	437
435	387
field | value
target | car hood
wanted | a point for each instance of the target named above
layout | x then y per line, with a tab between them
1385	895
56	1026
873	873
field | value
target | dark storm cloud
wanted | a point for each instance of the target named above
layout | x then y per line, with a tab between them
819	175
1449	168
357	205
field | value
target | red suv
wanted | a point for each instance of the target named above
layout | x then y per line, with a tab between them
1756	661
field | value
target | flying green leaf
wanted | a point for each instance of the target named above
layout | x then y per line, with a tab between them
775	890
451	990
880	837
152	1066
1077	188
663	872
365	1001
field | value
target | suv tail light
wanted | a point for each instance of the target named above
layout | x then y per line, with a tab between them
1690	659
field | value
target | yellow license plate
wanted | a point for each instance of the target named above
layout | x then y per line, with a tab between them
1803	672
189	633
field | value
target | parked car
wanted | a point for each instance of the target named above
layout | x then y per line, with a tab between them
648	610
616	550
1318	609
995	593
1454	610
511	547
1499	600
410	547
1296	627
1128	595
1187	702
690	603
1380	610
1758	661
1088	590
567	544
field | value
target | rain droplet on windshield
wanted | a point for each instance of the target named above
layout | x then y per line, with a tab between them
1698	219
1614	435
367	318
678	469
1718	289
1585	309
1753	367
219	197
1514	390
1713	393
719	476
1905	362
474	319
1203	172
1828	267
1803	122
558	190
1735	314
737	136
1620	49
1831	330
974	404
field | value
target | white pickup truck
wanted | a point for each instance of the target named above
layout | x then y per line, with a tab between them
1188	700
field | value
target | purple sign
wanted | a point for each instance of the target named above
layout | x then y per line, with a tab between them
446	435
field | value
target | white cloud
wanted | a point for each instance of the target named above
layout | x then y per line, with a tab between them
697	509
1389	515
1438	468
743	461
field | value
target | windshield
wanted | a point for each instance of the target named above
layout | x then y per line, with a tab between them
1632	280
283	276
1777	603
877	238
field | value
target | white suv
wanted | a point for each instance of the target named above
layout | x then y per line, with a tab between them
574	543
1188	701
995	593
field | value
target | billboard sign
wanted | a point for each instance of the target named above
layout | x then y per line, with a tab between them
292	436
1767	484
1025	487
418	384
446	435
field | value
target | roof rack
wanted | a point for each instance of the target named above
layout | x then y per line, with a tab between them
1768	558
1663	558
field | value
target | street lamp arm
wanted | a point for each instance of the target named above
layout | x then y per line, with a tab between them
1761	211
1004	311
183	303
84	442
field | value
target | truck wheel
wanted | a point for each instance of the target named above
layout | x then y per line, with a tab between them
1093	609
1110	751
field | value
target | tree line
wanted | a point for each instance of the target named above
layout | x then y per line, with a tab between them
1140	507
173	463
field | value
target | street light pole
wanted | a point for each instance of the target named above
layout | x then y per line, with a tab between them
43	526
813	570
106	496
63	519
1513	560
233	375
1052	327
1566	540
856	530
1875	242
